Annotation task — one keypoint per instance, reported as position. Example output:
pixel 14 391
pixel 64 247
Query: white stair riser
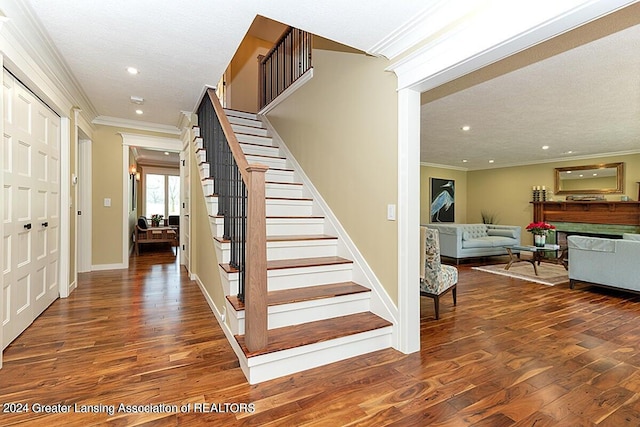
pixel 294 227
pixel 276 208
pixel 235 120
pixel 276 226
pixel 201 156
pixel 291 249
pixel 280 316
pixel 254 139
pixel 250 130
pixel 274 365
pixel 204 170
pixel 198 144
pixel 289 278
pixel 244 114
pixel 280 176
pixel 272 190
pixel 196 131
pixel 249 149
pixel 272 162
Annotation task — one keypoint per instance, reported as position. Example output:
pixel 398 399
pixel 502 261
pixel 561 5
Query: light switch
pixel 107 202
pixel 391 212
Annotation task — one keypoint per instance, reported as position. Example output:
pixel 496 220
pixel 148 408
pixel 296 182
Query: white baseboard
pixel 100 267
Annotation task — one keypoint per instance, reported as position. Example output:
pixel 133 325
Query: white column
pixel 408 220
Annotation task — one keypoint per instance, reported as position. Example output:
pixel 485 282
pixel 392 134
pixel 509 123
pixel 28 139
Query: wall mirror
pixel 590 179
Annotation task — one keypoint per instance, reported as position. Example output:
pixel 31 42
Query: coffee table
pixel 537 252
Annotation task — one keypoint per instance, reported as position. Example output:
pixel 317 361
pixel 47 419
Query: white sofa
pixel 610 263
pixel 460 241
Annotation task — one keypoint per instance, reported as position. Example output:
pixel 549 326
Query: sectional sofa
pixel 609 263
pixel 459 241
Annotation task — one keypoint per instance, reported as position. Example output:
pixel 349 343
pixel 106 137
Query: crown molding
pixel 435 165
pixel 135 124
pixel 32 57
pixel 423 26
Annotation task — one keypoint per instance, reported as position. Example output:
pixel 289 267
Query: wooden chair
pixel 436 279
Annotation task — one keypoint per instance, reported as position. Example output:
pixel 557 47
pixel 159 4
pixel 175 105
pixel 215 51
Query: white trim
pixel 84 243
pixel 65 206
pixel 436 165
pixel 125 204
pixel 430 21
pixel 301 81
pixel 485 38
pixel 381 303
pixel 135 124
pixel 100 267
pixel 73 209
pixel 146 141
pixel 408 220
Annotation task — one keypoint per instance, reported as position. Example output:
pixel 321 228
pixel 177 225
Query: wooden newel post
pixel 256 261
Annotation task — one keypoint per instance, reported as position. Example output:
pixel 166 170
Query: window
pixel 162 194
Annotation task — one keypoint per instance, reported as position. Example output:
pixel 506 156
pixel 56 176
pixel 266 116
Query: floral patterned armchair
pixel 436 279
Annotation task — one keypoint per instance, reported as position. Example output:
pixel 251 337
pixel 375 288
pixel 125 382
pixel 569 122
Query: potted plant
pixel 540 231
pixel 155 219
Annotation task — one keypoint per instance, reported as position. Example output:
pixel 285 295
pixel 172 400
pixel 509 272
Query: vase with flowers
pixel 155 219
pixel 540 230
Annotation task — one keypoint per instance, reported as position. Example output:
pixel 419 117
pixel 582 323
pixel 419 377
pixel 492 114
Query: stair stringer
pixel 381 303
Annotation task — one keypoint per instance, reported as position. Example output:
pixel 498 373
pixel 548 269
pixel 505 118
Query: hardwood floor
pixel 512 353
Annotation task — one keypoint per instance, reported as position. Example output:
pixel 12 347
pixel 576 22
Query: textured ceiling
pixel 585 100
pixel 182 46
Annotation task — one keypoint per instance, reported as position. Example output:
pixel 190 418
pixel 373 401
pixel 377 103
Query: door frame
pixel 142 141
pixel 83 204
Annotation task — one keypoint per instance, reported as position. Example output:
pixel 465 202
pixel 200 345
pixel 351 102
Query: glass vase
pixel 539 240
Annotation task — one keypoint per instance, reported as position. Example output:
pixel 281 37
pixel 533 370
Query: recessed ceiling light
pixel 545 147
pixel 132 70
pixel 465 128
pixel 139 112
pixel 465 161
pixel 568 171
pixel 595 174
pixel 490 161
pixel 137 100
pixel 570 152
pixel 166 153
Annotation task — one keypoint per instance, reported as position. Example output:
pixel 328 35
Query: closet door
pixel 31 169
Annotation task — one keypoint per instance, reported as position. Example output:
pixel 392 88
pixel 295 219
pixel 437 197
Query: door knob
pixel 45 224
pixel 27 226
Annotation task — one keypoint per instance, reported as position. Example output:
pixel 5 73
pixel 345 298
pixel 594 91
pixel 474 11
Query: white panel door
pixel 31 213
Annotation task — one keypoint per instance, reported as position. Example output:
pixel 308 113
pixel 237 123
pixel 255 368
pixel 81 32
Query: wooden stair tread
pixel 289 296
pixel 282 264
pixel 290 238
pixel 314 332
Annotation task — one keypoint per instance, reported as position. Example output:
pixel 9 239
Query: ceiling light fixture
pixel 491 161
pixel 139 112
pixel 132 70
pixel 465 128
pixel 166 153
pixel 137 100
pixel 465 161
pixel 545 147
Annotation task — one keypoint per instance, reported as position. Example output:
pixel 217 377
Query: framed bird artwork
pixel 442 200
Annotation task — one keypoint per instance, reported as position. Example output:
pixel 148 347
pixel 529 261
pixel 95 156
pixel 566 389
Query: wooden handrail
pixel 253 176
pixel 234 145
pixel 284 35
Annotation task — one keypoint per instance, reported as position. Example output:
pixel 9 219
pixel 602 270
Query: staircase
pixel 316 313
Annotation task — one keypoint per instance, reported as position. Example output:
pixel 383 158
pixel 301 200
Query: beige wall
pixel 243 74
pixel 107 176
pixel 342 128
pixel 460 178
pixel 507 192
pixel 204 262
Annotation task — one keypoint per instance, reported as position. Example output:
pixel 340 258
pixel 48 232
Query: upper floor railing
pixel 289 59
pixel 240 188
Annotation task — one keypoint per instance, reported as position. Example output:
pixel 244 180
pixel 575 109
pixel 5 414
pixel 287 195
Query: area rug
pixel 548 274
